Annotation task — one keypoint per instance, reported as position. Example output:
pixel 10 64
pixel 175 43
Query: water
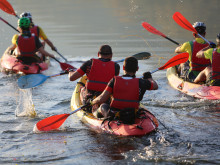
pixel 189 130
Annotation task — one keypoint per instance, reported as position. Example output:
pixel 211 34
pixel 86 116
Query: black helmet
pixel 218 38
pixel 200 27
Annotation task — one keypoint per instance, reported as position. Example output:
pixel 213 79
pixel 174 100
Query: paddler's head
pixel 200 28
pixel 218 39
pixel 26 15
pixel 24 23
pixel 105 51
pixel 130 65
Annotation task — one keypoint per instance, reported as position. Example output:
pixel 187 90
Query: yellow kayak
pixel 143 125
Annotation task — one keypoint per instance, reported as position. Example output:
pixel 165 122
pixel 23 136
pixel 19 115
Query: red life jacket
pixel 100 74
pixel 198 64
pixel 215 65
pixel 125 93
pixel 26 45
pixel 35 30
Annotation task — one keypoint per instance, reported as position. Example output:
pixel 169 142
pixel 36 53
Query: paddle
pixel 184 23
pixel 153 30
pixel 64 66
pixel 33 80
pixel 9 24
pixel 139 56
pixel 54 122
pixel 6 7
pixel 61 55
pixel 178 59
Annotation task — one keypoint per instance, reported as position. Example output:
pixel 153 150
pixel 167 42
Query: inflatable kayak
pixel 9 64
pixel 145 124
pixel 195 90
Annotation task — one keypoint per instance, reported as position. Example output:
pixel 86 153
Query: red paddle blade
pixel 65 66
pixel 183 22
pixel 52 122
pixel 151 29
pixel 176 60
pixel 6 7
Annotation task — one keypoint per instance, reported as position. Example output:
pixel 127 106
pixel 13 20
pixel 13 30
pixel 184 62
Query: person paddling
pixel 127 91
pixel 191 69
pixel 99 72
pixel 210 74
pixel 25 45
pixel 38 31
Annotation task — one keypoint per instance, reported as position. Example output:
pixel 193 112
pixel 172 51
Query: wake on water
pixel 25 105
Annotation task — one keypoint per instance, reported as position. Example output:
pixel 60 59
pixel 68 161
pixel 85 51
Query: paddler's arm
pixel 44 37
pixel 44 52
pixel 201 53
pixel 148 77
pixel 185 47
pixel 10 49
pixel 74 75
pixel 101 98
pixel 41 49
pixel 178 49
pixel 81 71
pixel 50 44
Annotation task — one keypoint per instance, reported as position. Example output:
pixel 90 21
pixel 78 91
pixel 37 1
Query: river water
pixel 189 131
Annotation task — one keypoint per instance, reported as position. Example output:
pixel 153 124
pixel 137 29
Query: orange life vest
pixel 125 93
pixel 26 46
pixel 215 65
pixel 198 64
pixel 35 30
pixel 100 74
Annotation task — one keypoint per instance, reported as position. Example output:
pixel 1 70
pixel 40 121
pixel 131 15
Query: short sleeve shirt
pixel 86 67
pixel 144 85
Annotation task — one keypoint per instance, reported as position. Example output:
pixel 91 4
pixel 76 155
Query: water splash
pixel 25 105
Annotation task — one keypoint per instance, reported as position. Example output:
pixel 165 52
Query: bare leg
pixel 203 75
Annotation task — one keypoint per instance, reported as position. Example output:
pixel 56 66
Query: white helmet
pixel 200 27
pixel 26 14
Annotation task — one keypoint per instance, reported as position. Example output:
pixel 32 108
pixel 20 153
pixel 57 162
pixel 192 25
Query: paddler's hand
pixel 89 102
pixel 52 56
pixel 147 75
pixel 54 48
pixel 69 70
pixel 212 45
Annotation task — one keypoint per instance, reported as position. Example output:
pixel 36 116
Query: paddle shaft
pixel 78 109
pixel 9 24
pixel 153 30
pixel 61 55
pixel 56 59
pixel 59 74
pixel 203 38
pixel 172 40
pixel 154 71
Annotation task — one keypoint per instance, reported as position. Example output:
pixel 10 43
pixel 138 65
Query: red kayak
pixel 144 124
pixel 9 64
pixel 192 89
